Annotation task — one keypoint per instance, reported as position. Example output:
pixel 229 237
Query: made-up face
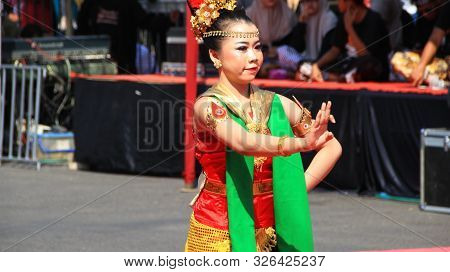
pixel 241 58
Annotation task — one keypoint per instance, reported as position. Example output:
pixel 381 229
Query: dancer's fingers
pixel 332 119
pixel 316 123
pixel 328 111
pixel 322 113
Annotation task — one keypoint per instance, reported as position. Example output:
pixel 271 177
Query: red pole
pixel 190 93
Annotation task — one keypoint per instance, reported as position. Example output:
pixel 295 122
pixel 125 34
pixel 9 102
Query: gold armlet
pixel 215 114
pixel 280 145
pixel 304 125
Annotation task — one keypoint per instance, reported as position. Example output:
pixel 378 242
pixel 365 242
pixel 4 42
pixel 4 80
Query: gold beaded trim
pixel 207 14
pixel 229 34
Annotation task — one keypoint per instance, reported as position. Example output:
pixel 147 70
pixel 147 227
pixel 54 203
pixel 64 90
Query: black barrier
pixel 118 125
pixel 131 127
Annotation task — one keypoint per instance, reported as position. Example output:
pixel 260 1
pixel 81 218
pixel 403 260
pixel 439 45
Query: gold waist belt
pixel 220 188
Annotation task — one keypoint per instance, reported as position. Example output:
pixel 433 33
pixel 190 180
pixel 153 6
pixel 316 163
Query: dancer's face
pixel 241 57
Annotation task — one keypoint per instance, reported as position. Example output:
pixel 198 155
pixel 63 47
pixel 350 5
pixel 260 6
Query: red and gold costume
pixel 237 198
pixel 210 214
pixel 209 222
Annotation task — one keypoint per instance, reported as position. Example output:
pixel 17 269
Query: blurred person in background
pixel 427 14
pixel 439 39
pixel 280 36
pixel 275 21
pixel 318 25
pixel 408 24
pixel 319 22
pixel 362 39
pixel 391 12
pixel 10 22
pixel 285 36
pixel 120 20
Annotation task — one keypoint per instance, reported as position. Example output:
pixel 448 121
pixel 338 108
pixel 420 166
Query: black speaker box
pixel 435 170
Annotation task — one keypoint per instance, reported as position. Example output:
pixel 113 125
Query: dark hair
pixel 226 18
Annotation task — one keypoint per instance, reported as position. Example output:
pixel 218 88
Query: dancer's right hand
pixel 319 134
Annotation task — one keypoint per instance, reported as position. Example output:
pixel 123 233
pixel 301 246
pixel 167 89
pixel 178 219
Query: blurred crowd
pixel 134 31
pixel 311 40
pixel 354 40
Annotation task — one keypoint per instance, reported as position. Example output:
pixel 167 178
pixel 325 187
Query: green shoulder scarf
pixel 291 209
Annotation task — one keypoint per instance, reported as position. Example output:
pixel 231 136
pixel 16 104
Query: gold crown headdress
pixel 207 13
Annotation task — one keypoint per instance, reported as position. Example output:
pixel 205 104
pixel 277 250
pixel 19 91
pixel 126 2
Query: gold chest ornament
pixel 262 129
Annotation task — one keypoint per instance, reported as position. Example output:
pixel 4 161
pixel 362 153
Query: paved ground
pixel 151 214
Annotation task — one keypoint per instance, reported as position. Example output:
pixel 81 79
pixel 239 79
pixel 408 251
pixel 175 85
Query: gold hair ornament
pixel 231 34
pixel 207 14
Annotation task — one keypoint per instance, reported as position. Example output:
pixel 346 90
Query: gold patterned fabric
pixel 260 103
pixel 259 188
pixel 203 238
pixel 404 63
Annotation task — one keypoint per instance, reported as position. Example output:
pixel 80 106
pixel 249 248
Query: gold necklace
pixel 254 123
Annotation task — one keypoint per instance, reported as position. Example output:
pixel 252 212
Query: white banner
pixel 217 262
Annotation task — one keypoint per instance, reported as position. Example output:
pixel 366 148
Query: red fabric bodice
pixel 211 208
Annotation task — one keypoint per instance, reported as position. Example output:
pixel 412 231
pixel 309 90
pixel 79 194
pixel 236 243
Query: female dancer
pixel 248 141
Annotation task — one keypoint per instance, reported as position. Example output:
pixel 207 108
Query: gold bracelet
pixel 304 125
pixel 280 145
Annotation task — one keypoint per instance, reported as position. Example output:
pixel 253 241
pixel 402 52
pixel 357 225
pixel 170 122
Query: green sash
pixel 291 209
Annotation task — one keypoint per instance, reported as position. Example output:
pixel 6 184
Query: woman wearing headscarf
pixel 276 23
pixel 295 38
pixel 362 39
pixel 391 12
pixel 319 22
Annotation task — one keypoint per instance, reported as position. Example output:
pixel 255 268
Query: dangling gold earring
pixel 217 64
